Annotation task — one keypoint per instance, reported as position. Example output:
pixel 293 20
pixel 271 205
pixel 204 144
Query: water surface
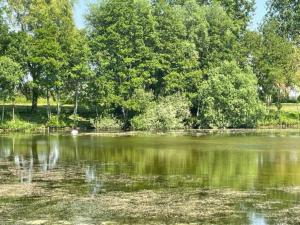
pixel 88 179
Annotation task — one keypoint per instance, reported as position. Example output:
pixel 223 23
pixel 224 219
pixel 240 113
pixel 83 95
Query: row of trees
pixel 40 39
pixel 140 60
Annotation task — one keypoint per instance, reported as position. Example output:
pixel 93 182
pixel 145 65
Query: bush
pixel 229 98
pixel 275 118
pixel 168 113
pixel 55 122
pixel 106 123
pixel 17 125
pixel 75 120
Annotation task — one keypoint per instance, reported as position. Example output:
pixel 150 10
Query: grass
pixel 28 121
pixel 288 107
pixel 288 117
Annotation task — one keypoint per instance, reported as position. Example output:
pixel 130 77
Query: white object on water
pixel 74 132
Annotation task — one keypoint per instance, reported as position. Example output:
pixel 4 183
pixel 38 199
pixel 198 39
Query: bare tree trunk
pixel 48 105
pixel 198 110
pixel 125 118
pixel 124 113
pixel 76 102
pixel 13 110
pixel 58 103
pixel 3 111
pixel 97 113
pixel 279 107
pixel 298 113
pixel 35 96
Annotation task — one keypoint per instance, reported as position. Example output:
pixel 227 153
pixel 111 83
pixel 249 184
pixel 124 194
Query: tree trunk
pixel 198 110
pixel 35 96
pixel 3 111
pixel 76 102
pixel 48 105
pixel 124 113
pixel 13 110
pixel 58 103
pixel 34 151
pixel 298 113
pixel 97 113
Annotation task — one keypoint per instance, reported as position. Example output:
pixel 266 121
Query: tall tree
pixel 240 11
pixel 4 31
pixel 287 15
pixel 123 37
pixel 175 51
pixel 47 25
pixel 80 71
pixel 10 78
pixel 273 60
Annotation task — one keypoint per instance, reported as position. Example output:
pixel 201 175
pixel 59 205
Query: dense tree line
pixel 161 64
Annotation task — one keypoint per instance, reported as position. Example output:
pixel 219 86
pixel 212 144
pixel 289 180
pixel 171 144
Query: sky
pixel 82 7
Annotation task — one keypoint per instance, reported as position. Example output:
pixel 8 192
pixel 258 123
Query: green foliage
pixel 136 55
pixel 122 36
pixel 17 125
pixel 241 11
pixel 80 73
pixel 46 27
pixel 75 119
pixel 177 56
pixel 10 78
pixel 55 122
pixel 222 41
pixel 4 31
pixel 275 118
pixel 168 113
pixel 106 124
pixel 274 61
pixel 228 98
pixel 287 15
pixel 139 101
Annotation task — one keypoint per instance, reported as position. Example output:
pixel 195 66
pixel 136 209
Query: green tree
pixel 4 33
pixel 229 98
pixel 47 25
pixel 10 78
pixel 177 56
pixel 122 39
pixel 240 11
pixel 287 15
pixel 80 73
pixel 222 42
pixel 274 62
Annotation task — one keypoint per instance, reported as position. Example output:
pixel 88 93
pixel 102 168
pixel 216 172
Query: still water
pixel 89 179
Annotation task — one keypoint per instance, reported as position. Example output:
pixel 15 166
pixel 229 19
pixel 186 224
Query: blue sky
pixel 82 6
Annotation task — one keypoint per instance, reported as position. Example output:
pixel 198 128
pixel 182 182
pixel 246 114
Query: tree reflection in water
pixel 43 154
pixel 96 185
pixel 105 168
pixel 24 168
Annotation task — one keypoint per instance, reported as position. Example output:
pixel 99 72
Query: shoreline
pixel 188 132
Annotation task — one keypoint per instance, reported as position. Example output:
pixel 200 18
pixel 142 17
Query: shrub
pixel 76 120
pixel 55 122
pixel 17 125
pixel 275 118
pixel 168 113
pixel 229 98
pixel 106 123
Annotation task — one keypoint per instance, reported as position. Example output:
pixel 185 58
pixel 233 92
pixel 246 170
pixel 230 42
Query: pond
pixel 168 179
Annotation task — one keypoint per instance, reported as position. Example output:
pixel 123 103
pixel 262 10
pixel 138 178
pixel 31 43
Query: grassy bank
pixel 25 120
pixel 287 117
